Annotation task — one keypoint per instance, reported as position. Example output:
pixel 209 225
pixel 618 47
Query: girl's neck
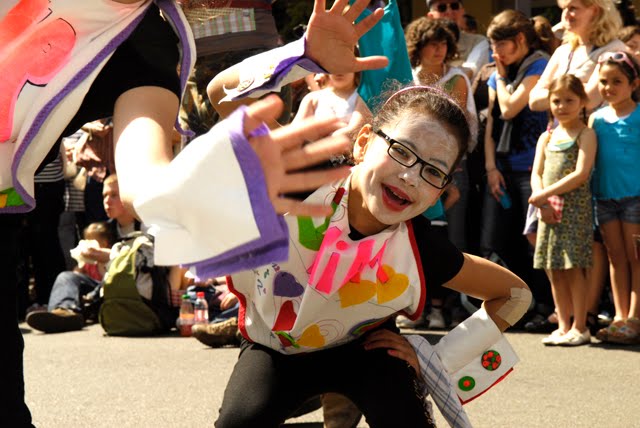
pixel 624 108
pixel 572 125
pixel 583 40
pixel 343 92
pixel 435 69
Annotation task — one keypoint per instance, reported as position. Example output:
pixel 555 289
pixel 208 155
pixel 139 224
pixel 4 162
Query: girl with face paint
pixel 327 315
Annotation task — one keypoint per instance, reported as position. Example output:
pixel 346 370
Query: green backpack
pixel 124 312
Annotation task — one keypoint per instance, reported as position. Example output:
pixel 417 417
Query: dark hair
pixel 628 32
pixel 101 230
pixel 631 73
pixel 509 23
pixel 471 23
pixel 572 84
pixel 424 30
pixel 428 101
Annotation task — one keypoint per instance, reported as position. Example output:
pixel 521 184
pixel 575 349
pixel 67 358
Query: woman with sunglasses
pixel 616 188
pixel 324 320
pixel 473 49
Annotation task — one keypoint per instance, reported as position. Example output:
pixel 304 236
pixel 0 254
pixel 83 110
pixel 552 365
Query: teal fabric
pixel 436 212
pixel 386 38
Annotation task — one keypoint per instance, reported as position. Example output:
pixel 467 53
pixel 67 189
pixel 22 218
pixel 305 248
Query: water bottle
pixel 505 199
pixel 201 309
pixel 186 319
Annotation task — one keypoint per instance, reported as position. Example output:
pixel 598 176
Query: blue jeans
pixel 501 233
pixel 68 288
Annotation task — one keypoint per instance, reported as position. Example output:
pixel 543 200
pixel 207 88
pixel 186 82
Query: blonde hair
pixel 605 26
pixel 111 179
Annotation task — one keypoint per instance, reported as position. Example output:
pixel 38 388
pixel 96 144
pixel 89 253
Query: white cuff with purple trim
pixel 211 205
pixel 271 70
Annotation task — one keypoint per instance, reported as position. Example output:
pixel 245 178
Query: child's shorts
pixel 626 210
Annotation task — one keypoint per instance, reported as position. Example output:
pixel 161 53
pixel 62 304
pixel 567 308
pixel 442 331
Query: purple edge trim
pixel 273 243
pixel 170 9
pixel 42 116
pixel 288 56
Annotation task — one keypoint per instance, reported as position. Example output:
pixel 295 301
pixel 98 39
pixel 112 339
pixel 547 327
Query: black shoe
pixel 58 320
pixel 540 324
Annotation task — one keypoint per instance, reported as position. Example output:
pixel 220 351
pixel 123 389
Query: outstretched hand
pixel 332 36
pixel 283 156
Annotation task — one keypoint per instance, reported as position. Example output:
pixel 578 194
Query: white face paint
pixel 385 192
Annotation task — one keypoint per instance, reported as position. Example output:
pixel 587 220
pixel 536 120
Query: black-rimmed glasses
pixel 407 158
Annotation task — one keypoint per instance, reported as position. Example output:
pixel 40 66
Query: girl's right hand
pixel 283 156
pixel 501 69
pixel 496 183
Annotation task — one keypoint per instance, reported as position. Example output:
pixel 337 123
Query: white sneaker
pixel 404 322
pixel 435 319
pixel 553 338
pixel 574 338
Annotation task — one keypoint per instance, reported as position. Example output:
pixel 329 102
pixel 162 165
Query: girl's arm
pixel 460 92
pixel 498 287
pixel 495 180
pixel 586 158
pixel 539 95
pixel 538 164
pixel 307 107
pixel 512 104
pixel 591 88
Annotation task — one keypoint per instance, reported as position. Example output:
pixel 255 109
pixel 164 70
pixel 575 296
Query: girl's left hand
pixel 396 345
pixel 537 199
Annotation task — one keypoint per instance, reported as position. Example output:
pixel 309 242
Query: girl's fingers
pixel 320 6
pixel 314 153
pixel 311 129
pixel 355 9
pixel 299 208
pixel 338 7
pixel 312 180
pixel 267 109
pixel 368 23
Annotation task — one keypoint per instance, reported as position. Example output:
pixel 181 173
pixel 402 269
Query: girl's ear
pixel 361 144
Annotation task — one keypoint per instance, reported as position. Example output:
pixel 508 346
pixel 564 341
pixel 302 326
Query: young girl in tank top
pixel 560 190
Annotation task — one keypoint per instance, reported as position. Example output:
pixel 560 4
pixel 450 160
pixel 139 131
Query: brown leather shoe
pixel 58 320
pixel 218 334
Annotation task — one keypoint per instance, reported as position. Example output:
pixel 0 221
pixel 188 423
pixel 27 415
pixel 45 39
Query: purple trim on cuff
pixel 169 8
pixel 43 114
pixel 287 57
pixel 273 244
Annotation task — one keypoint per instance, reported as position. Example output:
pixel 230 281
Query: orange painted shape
pixel 394 287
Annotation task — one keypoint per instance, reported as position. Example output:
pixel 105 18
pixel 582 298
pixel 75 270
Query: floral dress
pixel 567 244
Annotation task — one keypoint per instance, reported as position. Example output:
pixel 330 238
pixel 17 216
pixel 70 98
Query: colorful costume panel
pixel 332 289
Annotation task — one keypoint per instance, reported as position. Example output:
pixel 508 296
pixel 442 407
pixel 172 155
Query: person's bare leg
pixel 613 236
pixel 629 230
pixel 576 282
pixel 561 298
pixel 596 277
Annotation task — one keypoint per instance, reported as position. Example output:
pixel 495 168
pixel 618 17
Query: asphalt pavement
pixel 86 379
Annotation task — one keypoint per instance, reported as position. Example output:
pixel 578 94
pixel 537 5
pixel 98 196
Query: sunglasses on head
pixel 442 7
pixel 619 57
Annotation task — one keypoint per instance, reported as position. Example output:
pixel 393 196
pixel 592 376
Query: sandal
pixel 621 332
pixel 627 334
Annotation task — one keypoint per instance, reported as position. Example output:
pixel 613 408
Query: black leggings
pixel 266 387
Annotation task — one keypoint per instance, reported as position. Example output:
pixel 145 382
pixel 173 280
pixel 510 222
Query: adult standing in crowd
pixel 473 49
pixel 510 143
pixel 123 63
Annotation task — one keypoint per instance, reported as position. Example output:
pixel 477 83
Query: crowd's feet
pixel 218 334
pixel 58 320
pixel 622 332
pixel 572 337
pixel 436 319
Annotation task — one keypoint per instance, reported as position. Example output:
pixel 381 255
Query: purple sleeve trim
pixel 273 244
pixel 286 57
